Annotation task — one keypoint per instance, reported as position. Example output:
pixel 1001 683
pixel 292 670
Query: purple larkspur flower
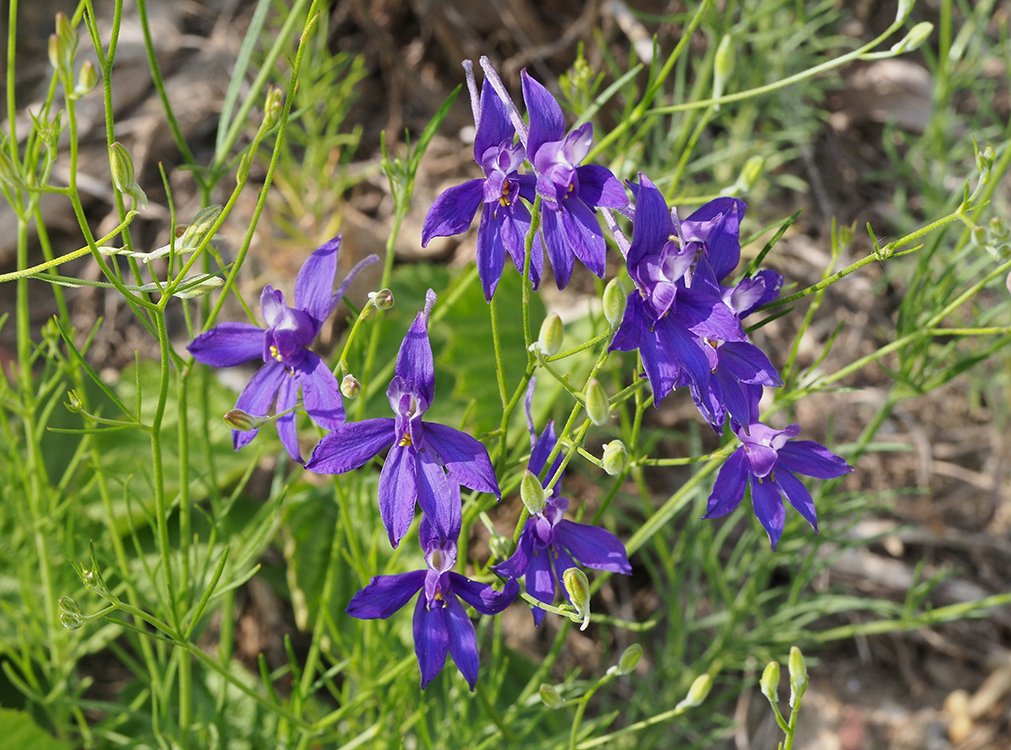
pixel 570 191
pixel 676 314
pixel 769 460
pixel 289 365
pixel 427 461
pixel 441 624
pixel 550 544
pixel 739 371
pixel 751 292
pixel 505 220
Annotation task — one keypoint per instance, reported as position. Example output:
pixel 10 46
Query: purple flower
pixel 677 313
pixel 739 371
pixel 427 461
pixel 505 220
pixel 770 461
pixel 289 365
pixel 550 544
pixel 441 624
pixel 752 292
pixel 570 193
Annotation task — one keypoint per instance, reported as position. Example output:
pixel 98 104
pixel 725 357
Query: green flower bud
pixel 350 386
pixel 549 340
pixel 577 586
pixel 382 300
pixel 615 458
pixel 751 172
pixel 770 682
pixel 67 604
pixel 75 404
pixel 629 659
pixel 54 51
pixel 985 159
pixel 499 546
pixel 87 79
pixel 272 107
pixel 697 693
pixel 597 408
pixel 798 674
pixel 532 493
pixel 916 36
pixel 121 165
pixel 614 302
pixel 71 621
pixel 550 696
pixel 63 47
pixel 243 421
pixel 723 66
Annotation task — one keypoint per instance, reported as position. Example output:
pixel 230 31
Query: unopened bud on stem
pixel 242 420
pixel 798 674
pixel 577 586
pixel 532 493
pixel 597 408
pixel 549 340
pixel 697 693
pixel 382 300
pixel 350 386
pixel 614 301
pixel 770 682
pixel 615 458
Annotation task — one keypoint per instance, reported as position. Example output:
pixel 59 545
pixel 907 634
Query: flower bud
pixel 382 300
pixel 751 172
pixel 798 674
pixel 87 79
pixel 597 408
pixel 272 106
pixel 577 586
pixel 697 693
pixel 723 66
pixel 549 340
pixel 916 36
pixel 242 420
pixel 499 546
pixel 70 621
pixel 985 158
pixel 75 404
pixel 770 682
pixel 63 47
pixel 350 386
pixel 615 458
pixel 550 696
pixel 532 493
pixel 629 659
pixel 123 177
pixel 614 302
pixel 67 604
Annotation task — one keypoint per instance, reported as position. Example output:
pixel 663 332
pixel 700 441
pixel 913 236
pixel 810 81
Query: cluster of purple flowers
pixel 684 319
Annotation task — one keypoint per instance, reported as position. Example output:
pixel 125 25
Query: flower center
pixel 405 440
pixel 275 353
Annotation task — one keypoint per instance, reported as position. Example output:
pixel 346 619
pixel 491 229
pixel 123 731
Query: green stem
pixel 35 270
